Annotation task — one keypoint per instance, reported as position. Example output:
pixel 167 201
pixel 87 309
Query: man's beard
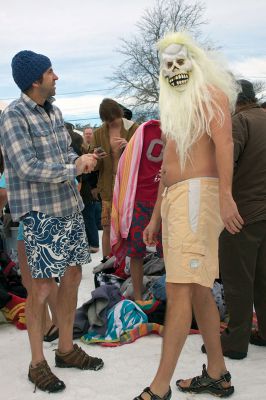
pixel 185 115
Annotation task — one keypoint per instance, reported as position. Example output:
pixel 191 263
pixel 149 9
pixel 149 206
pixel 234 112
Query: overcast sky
pixel 80 37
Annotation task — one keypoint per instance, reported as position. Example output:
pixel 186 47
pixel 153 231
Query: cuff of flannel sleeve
pixel 71 172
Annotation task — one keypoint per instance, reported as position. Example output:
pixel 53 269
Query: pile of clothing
pixel 12 293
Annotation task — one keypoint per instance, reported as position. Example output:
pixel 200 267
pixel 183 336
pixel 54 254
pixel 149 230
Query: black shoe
pixel 205 384
pixel 105 258
pixel 51 335
pixel 234 355
pixel 154 396
pixel 256 339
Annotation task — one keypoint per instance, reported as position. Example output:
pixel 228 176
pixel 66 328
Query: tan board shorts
pixel 191 225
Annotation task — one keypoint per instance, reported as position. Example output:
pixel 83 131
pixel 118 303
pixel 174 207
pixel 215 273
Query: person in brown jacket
pixel 109 142
pixel 242 256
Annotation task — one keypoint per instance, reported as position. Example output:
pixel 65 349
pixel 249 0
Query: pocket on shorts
pixel 193 255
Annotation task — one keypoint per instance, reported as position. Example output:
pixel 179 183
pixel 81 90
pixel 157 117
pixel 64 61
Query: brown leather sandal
pixel 205 384
pixel 77 358
pixel 44 379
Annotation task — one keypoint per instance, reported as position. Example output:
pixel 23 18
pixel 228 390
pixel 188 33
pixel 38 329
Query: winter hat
pixel 28 67
pixel 247 93
pixel 126 112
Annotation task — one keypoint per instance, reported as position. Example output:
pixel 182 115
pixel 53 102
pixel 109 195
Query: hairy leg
pixel 27 283
pixel 23 266
pixel 66 306
pixel 208 319
pixel 35 312
pixel 176 329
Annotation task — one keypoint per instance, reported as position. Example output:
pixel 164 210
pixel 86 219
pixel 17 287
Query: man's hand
pixel 86 163
pixel 100 152
pixel 121 142
pixel 150 233
pixel 232 220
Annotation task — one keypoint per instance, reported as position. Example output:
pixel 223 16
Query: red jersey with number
pixel 150 163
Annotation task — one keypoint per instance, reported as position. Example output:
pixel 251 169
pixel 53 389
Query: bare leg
pixel 136 271
pixel 176 329
pixel 35 311
pixel 208 320
pixel 106 241
pixel 27 283
pixel 66 306
pixel 23 266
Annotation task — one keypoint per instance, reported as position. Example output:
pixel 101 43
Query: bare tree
pixel 260 89
pixel 137 77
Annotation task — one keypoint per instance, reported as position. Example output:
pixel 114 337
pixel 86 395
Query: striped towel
pixel 122 317
pixel 124 193
pixel 136 333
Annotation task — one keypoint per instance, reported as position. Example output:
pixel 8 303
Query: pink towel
pixel 124 193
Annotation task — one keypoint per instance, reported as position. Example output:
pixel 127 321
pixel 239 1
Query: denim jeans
pixel 89 215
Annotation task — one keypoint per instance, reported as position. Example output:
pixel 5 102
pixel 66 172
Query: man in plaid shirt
pixel 40 170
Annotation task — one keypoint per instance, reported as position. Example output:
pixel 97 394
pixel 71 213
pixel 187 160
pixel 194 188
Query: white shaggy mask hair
pixel 186 115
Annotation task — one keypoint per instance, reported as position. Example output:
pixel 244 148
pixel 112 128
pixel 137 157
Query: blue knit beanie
pixel 28 67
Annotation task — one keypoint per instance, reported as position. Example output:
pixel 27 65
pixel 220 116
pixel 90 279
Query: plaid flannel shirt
pixel 39 162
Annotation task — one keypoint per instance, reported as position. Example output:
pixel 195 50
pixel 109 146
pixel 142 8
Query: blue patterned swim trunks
pixel 54 243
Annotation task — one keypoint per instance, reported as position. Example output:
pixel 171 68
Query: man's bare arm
pixel 152 229
pixel 224 150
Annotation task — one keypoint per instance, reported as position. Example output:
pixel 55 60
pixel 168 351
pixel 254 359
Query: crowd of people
pixel 192 186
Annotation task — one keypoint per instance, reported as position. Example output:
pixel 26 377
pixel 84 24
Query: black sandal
pixel 51 335
pixel 153 396
pixel 205 384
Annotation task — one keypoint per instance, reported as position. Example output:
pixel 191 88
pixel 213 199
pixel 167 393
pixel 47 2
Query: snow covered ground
pixel 128 369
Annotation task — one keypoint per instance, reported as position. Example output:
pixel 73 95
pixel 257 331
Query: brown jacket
pixel 249 183
pixel 105 165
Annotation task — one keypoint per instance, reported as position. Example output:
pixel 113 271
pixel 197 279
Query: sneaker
pixel 256 339
pixel 44 379
pixel 77 358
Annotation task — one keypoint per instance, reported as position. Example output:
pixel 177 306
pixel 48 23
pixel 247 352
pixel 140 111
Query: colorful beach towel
pixel 136 333
pixel 122 317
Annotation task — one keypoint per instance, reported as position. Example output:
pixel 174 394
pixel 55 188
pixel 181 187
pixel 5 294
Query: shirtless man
pixel 108 142
pixel 194 202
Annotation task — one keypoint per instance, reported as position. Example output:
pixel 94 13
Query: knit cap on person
pixel 247 93
pixel 28 67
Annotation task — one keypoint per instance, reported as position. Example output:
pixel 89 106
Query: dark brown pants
pixel 242 259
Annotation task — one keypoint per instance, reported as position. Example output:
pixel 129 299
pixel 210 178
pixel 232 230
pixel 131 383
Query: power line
pixel 69 93
pixel 82 119
pixel 109 89
pixel 85 91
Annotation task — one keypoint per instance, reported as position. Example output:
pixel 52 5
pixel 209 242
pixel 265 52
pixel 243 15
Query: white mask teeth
pixel 178 80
